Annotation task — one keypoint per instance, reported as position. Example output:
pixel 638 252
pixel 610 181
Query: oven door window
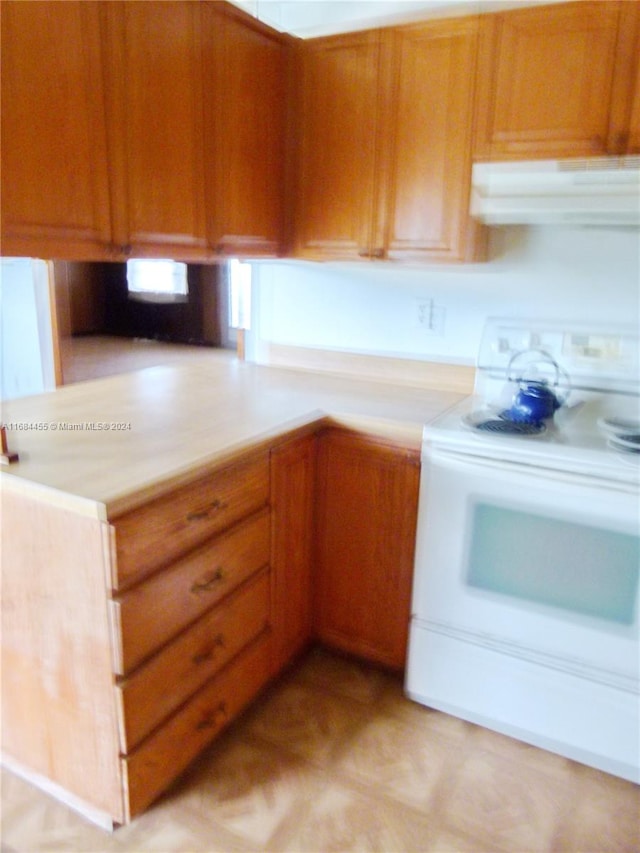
pixel 549 561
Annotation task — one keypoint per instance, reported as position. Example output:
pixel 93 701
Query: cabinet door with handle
pixel 338 116
pixel 55 174
pixel 545 78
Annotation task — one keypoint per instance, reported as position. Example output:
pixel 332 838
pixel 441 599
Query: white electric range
pixel 525 610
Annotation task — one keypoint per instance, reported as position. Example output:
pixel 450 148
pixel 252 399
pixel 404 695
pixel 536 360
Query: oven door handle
pixel 468 462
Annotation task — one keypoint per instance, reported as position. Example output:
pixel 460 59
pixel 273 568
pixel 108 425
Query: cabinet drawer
pixel 151 614
pixel 164 755
pixel 155 534
pixel 170 677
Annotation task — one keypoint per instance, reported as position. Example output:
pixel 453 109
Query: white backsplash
pixel 589 275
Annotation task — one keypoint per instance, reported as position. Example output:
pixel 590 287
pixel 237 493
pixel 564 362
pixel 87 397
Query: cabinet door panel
pixel 292 514
pixel 338 114
pixel 624 126
pixel 430 122
pixel 367 512
pixel 156 111
pixel 547 76
pixel 55 196
pixel 245 104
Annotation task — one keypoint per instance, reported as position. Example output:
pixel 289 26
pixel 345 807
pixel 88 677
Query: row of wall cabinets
pixel 140 129
pixel 181 129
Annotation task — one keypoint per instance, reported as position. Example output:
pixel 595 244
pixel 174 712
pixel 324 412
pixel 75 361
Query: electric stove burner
pixel 492 421
pixel 506 427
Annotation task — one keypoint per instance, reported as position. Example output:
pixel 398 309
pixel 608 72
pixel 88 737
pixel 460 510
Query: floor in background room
pixel 95 356
pixel 334 758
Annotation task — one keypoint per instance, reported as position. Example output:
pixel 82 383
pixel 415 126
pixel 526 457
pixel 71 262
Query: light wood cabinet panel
pixel 430 125
pixel 156 533
pixel 58 714
pixel 293 468
pixel 55 184
pixel 545 78
pixel 245 90
pixel 155 115
pixel 338 106
pixel 366 519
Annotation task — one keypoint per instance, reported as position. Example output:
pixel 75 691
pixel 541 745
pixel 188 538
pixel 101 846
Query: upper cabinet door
pixel 430 125
pixel 155 109
pixel 55 196
pixel 624 125
pixel 338 146
pixel 245 68
pixel 546 79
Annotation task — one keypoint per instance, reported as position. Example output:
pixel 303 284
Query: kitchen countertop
pixel 167 423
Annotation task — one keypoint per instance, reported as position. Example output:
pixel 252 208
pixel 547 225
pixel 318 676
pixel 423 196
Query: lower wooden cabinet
pixel 293 468
pixel 313 538
pixel 366 517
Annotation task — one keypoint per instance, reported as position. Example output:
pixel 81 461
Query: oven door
pixel 525 605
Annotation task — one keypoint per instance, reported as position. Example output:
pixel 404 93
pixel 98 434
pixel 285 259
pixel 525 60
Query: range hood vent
pixel 591 191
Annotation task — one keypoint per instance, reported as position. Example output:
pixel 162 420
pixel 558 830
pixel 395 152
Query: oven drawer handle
pixel 209 582
pixel 465 462
pixel 202 514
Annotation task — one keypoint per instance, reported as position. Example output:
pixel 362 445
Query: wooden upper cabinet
pixel 430 125
pixel 633 143
pixel 337 109
pixel 385 151
pixel 55 195
pixel 245 90
pixel 624 125
pixel 155 114
pixel 546 77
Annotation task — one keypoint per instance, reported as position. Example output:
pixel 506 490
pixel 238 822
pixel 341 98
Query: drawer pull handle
pixel 209 582
pixel 209 653
pixel 201 514
pixel 211 718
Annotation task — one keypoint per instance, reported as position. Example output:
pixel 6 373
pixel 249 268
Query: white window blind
pixel 157 280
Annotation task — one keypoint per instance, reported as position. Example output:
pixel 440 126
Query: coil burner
pixel 496 422
pixel 506 427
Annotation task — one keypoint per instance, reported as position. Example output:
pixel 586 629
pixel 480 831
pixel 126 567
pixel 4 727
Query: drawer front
pixel 161 531
pixel 170 677
pixel 164 755
pixel 153 613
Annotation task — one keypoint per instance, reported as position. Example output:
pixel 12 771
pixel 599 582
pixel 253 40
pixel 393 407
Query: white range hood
pixel 591 191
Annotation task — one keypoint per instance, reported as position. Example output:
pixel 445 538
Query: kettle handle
pixel 560 372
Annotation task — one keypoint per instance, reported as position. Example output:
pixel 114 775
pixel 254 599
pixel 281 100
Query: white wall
pixel 309 18
pixel 26 349
pixel 581 274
